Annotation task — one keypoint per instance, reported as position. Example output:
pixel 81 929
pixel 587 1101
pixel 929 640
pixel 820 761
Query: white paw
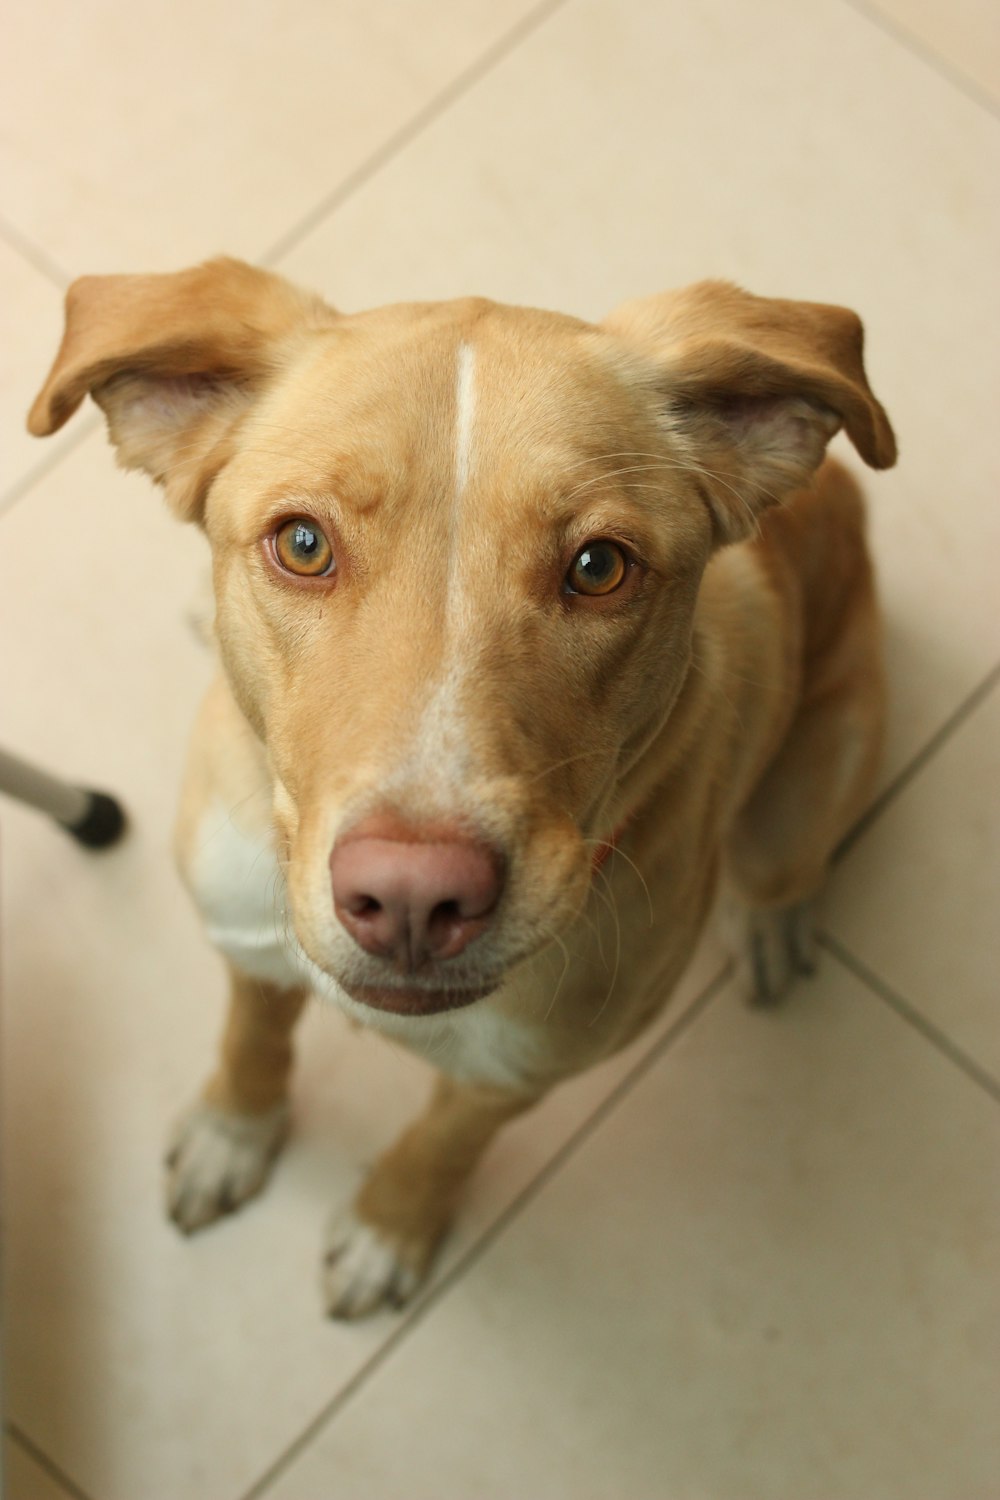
pixel 778 945
pixel 217 1160
pixel 364 1267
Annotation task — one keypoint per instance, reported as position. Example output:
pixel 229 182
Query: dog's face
pixel 499 617
pixel 457 550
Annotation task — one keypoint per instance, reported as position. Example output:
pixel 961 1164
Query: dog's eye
pixel 599 568
pixel 301 547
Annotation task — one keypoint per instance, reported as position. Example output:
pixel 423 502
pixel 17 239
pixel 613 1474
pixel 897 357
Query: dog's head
pixel 457 549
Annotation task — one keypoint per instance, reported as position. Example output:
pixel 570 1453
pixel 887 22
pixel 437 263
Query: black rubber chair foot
pixel 102 824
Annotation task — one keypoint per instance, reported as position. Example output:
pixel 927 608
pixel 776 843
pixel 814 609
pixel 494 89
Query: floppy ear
pixel 753 388
pixel 174 361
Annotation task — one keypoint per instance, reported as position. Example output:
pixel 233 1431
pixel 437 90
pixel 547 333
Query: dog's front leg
pixel 380 1249
pixel 222 1148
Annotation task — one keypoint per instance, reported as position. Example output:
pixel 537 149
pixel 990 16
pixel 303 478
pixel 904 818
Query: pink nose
pixel 409 898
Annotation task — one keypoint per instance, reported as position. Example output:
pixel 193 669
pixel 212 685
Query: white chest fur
pixel 240 891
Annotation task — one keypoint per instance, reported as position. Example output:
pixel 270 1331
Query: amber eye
pixel 599 568
pixel 301 547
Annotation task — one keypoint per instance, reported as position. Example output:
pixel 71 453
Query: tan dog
pixel 496 689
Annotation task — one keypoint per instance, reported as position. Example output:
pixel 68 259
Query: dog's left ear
pixel 752 389
pixel 175 361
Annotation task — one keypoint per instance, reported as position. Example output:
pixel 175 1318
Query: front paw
pixel 217 1160
pixel 365 1267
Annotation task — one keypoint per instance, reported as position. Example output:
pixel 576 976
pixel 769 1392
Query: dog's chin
pixel 401 1000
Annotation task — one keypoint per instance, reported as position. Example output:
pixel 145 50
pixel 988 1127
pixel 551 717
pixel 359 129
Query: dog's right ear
pixel 174 361
pixel 754 388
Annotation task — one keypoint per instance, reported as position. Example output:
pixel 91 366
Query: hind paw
pixel 778 945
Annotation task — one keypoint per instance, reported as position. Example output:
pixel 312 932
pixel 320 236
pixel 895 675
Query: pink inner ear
pixel 170 425
pixel 753 451
pixel 170 399
pixel 777 420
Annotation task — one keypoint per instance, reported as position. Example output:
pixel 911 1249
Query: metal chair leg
pixel 92 818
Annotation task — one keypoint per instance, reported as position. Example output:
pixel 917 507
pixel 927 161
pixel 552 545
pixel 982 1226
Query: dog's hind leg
pixel 222 1148
pixel 783 840
pixel 380 1248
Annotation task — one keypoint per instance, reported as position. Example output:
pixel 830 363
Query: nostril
pixel 452 925
pixel 363 906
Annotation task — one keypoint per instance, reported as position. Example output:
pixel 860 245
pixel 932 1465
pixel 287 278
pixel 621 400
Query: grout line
pixel 927 54
pixel 475 1252
pixel 914 766
pixel 33 253
pixel 44 1462
pixel 20 487
pixel 910 1014
pixel 409 131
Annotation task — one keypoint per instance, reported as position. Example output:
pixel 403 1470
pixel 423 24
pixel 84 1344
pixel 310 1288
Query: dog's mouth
pixel 408 1000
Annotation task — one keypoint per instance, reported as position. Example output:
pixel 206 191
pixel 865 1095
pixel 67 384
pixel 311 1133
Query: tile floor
pixel 757 1255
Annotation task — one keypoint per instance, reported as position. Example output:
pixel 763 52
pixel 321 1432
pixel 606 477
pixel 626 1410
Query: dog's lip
pixel 403 1000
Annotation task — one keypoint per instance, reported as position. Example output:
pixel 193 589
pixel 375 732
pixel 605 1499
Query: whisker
pixel 227 822
pixel 555 994
pixel 618 853
pixel 618 949
pixel 558 765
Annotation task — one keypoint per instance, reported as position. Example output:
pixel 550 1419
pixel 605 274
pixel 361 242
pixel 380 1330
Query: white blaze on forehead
pixel 465 412
pixel 438 763
pixel 433 771
pixel 465 416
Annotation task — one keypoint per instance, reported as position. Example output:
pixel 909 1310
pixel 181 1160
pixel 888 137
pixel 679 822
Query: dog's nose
pixel 412 899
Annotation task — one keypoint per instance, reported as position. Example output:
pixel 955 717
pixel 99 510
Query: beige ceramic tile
pixel 141 136
pixel 964 34
pixel 769 1274
pixel 23 1479
pixel 30 330
pixel 916 900
pixel 799 150
pixel 145 1364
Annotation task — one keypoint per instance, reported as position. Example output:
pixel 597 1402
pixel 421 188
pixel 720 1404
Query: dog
pixel 530 631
